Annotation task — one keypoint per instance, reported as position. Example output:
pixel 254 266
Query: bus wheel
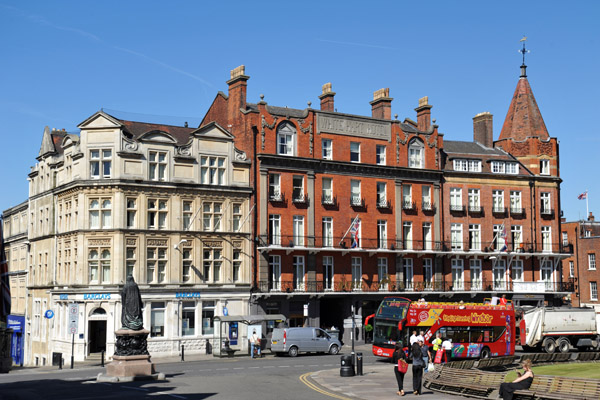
pixel 485 353
pixel 563 345
pixel 549 345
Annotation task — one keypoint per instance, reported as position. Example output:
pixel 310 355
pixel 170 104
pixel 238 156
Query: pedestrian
pixel 421 336
pixel 437 342
pixel 426 355
pixel 254 344
pixel 417 367
pixel 523 382
pixel 400 366
pixel 447 347
pixel 413 339
pixel 503 300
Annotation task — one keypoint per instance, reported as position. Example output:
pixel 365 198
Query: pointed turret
pixel 47 146
pixel 524 118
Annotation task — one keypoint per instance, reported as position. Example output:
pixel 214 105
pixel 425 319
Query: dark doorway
pixel 97 336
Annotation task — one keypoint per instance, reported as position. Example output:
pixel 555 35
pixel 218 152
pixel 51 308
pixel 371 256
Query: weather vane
pixel 523 50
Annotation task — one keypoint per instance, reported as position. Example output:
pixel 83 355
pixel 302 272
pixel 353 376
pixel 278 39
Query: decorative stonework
pixel 99 242
pixel 519 148
pixel 157 242
pixel 185 150
pixel 237 244
pixel 262 129
pixel 213 243
pixel 240 155
pixel 130 241
pixel 129 145
pixel 308 130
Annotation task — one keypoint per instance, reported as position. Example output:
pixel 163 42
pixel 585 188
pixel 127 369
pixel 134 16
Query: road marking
pixel 270 366
pixel 239 368
pixel 253 367
pixel 222 369
pixel 284 366
pixel 304 379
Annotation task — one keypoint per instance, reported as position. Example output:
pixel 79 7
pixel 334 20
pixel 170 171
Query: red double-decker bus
pixel 477 330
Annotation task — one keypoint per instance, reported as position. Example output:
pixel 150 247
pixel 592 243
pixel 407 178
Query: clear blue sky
pixel 62 61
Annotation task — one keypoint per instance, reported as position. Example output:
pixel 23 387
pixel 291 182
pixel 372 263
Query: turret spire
pixel 523 51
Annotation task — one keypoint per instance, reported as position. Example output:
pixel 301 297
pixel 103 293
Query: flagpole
pixel 587 210
pixel 350 227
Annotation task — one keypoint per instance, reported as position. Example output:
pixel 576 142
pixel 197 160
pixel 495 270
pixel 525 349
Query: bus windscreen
pixel 393 308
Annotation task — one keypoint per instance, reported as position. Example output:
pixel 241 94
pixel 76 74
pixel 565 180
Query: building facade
pixel 584 235
pixel 350 208
pixel 165 204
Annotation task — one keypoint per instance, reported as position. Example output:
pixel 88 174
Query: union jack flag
pixel 4 282
pixel 354 232
pixel 582 196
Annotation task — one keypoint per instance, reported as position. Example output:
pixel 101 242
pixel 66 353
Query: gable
pixel 157 136
pixel 213 131
pixel 99 120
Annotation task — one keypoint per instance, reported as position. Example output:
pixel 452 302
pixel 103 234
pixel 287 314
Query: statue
pixel 131 301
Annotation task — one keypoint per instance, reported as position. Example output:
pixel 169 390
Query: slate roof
pixel 138 129
pixel 474 148
pixel 524 118
pixel 283 111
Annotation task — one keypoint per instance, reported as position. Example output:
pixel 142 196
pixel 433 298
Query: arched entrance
pixel 97 330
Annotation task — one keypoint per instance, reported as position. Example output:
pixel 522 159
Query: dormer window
pixel 501 167
pixel 467 165
pixel 416 154
pixel 100 163
pixel 286 137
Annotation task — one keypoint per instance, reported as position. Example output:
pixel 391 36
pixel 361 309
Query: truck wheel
pixel 563 345
pixel 334 349
pixel 485 353
pixel 293 351
pixel 549 345
pixel 596 347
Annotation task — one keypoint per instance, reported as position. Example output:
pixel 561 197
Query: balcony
pixel 384 204
pixel 357 202
pixel 517 212
pixel 457 208
pixel 300 199
pixel 277 197
pixel 546 212
pixel 409 205
pixel 427 206
pixel 499 211
pixel 475 210
pixel 328 200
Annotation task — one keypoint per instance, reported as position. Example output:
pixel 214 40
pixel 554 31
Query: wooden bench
pixel 545 387
pixel 465 382
pixel 495 362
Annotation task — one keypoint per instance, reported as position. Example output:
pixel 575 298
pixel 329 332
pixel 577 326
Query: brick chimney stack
pixel 381 106
pixel 237 89
pixel 327 98
pixel 423 114
pixel 483 129
pixel 591 217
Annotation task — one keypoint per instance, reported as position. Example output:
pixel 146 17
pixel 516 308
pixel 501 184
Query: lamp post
pixel 352 334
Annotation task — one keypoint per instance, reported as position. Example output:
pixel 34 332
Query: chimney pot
pixel 483 129
pixel 237 90
pixel 326 97
pixel 591 217
pixel 381 106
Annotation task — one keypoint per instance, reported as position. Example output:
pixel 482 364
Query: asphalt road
pixel 238 378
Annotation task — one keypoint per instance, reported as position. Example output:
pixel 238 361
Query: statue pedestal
pixel 131 360
pixel 5 358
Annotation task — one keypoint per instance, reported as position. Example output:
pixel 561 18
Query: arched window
pixel 416 154
pixel 286 139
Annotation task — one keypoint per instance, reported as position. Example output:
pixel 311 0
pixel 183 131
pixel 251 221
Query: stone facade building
pixel 164 203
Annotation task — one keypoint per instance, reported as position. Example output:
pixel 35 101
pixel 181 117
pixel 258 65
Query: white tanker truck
pixel 551 329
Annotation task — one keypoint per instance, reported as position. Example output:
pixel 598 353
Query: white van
pixel 295 340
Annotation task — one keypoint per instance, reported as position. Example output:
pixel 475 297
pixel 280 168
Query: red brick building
pixel 581 266
pixel 349 209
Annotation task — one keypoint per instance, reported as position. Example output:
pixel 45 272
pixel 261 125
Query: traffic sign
pixel 73 318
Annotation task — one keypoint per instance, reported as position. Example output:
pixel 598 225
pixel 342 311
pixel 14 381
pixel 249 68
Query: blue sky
pixel 64 60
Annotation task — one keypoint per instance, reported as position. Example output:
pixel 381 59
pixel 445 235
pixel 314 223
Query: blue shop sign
pixel 64 297
pixel 16 323
pixel 187 295
pixel 96 296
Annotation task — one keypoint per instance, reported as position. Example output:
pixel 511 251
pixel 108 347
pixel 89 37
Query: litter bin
pixel 347 366
pixel 56 359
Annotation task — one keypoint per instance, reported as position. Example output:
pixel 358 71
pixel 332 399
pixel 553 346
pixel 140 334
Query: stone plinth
pixel 131 343
pixel 135 366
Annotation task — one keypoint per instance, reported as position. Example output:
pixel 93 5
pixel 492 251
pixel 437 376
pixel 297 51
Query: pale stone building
pixel 168 204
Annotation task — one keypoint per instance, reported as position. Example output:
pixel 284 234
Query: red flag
pixel 4 281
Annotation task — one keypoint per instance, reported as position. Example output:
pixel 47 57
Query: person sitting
pixel 522 382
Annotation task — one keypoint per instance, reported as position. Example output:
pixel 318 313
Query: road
pixel 237 378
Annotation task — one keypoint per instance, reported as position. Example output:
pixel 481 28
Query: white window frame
pixel 498 201
pixel 458 274
pixel 328 273
pixel 156 264
pixel 327 231
pixel 274 187
pixel 512 168
pixel 544 167
pixel 592 261
pixel 275 267
pixel 516 270
pixel 382 234
pixel 212 216
pixel 212 264
pixel 407 197
pixel 355 152
pixel 408 272
pixel 545 204
pixel 213 170
pixel 546 239
pixel 594 291
pixel 498 167
pixel 355 193
pixel 159 212
pixel 327 149
pixel 516 236
pixel 298 189
pixel 456 199
pixel 327 190
pixel 382 194
pixel 382 272
pixel 298 226
pixel 356 268
pixel 426 197
pixel 456 237
pixel 547 274
pixel 427 236
pixel 474 200
pixel 380 154
pixel 416 154
pixel 158 166
pixel 571 269
pixel 286 139
pixel 299 272
pixel 428 273
pixel 499 274
pixel 475 272
pixel 102 161
pixel 275 229
pixel 516 204
pixel 474 237
pixel 131 214
pixel 407 235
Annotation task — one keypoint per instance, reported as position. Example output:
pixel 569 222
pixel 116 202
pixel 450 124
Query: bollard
pixel 359 363
pixel 102 359
pixel 347 367
pixel 182 353
pixel 60 362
